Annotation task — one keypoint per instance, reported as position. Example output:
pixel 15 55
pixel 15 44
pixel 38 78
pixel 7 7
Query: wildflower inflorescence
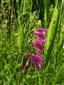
pixel 39 45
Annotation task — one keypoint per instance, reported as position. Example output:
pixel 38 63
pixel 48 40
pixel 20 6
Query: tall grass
pixel 52 30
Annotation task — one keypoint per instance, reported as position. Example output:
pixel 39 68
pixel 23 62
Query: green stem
pixel 45 13
pixel 39 78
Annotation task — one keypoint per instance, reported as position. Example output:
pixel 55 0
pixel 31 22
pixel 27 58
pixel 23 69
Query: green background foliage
pixel 17 19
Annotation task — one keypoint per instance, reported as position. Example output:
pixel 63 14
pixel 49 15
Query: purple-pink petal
pixel 39 46
pixel 40 49
pixel 36 42
pixel 36 58
pixel 37 65
pixel 40 32
pixel 25 67
pixel 41 35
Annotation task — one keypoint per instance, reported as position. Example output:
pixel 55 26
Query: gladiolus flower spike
pixel 39 45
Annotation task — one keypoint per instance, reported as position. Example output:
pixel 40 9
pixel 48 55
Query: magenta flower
pixel 35 59
pixel 25 67
pixel 40 33
pixel 41 30
pixel 40 49
pixel 37 65
pixel 39 45
pixel 38 42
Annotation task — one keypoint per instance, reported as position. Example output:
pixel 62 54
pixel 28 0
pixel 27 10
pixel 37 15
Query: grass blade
pixel 52 32
pixel 60 70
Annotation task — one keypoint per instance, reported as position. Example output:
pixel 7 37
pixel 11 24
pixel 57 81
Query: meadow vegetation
pixel 18 18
